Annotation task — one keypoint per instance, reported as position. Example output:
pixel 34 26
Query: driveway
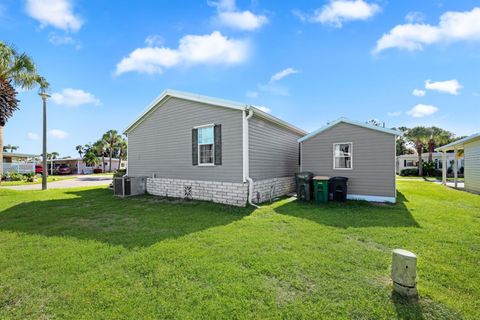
pixel 78 181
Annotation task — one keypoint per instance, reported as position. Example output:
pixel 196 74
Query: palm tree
pixel 90 158
pixel 17 70
pixel 122 150
pixel 111 138
pixel 80 150
pixel 438 137
pixel 100 148
pixel 419 136
pixel 53 155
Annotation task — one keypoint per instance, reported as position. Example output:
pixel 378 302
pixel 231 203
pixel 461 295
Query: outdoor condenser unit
pixel 129 186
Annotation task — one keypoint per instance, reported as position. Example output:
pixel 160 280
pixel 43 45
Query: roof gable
pixel 352 122
pixel 460 142
pixel 161 99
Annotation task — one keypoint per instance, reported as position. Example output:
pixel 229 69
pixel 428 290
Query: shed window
pixel 342 155
pixel 205 145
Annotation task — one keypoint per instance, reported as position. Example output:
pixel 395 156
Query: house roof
pixel 459 143
pixel 352 122
pixel 207 100
pixel 19 155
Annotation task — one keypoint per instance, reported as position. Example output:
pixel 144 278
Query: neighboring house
pixel 191 146
pixel 78 166
pixel 471 152
pixel 363 153
pixel 410 161
pixel 18 162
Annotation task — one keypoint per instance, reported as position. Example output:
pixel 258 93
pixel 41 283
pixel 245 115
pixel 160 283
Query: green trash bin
pixel 320 189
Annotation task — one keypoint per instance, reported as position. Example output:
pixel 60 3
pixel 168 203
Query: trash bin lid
pixel 305 175
pixel 338 179
pixel 321 178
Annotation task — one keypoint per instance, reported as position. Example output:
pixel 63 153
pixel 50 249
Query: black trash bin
pixel 337 188
pixel 304 186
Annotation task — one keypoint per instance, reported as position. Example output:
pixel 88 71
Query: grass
pixel 80 253
pixel 427 178
pixel 39 181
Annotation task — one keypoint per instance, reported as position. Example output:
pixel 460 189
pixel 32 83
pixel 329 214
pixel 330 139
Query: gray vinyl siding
pixel 373 154
pixel 162 143
pixel 472 166
pixel 273 151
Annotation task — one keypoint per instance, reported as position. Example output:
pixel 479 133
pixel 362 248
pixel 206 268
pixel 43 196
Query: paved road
pixel 78 181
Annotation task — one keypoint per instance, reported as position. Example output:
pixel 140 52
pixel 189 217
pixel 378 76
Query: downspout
pixel 247 114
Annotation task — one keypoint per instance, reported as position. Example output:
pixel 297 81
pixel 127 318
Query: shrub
pixel 461 170
pixel 13 176
pixel 409 172
pixel 30 177
pixel 97 170
pixel 429 169
pixel 120 173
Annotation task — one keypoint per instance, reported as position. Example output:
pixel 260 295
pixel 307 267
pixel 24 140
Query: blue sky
pixel 308 62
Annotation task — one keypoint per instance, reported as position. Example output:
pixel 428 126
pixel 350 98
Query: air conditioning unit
pixel 129 186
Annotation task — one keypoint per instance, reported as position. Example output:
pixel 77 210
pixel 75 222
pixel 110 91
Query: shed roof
pixel 19 155
pixel 162 98
pixel 352 122
pixel 459 143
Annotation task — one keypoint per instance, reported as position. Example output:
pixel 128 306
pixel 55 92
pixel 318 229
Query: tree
pixel 122 150
pixel 438 137
pixel 419 136
pixel 376 123
pixel 402 145
pixel 80 149
pixel 90 158
pixel 100 148
pixel 17 70
pixel 111 138
pixel 53 155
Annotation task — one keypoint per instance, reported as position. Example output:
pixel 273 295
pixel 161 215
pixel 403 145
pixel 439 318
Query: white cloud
pixel 282 74
pixel 395 113
pixel 422 110
pixel 453 26
pixel 418 92
pixel 154 40
pixel 252 94
pixel 74 97
pixel 32 136
pixel 209 49
pixel 58 40
pixel 58 134
pixel 57 13
pixel 229 16
pixel 449 86
pixel 264 109
pixel 414 16
pixel 339 11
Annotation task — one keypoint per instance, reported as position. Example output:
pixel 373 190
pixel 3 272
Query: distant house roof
pixel 19 155
pixel 459 143
pixel 352 122
pixel 207 100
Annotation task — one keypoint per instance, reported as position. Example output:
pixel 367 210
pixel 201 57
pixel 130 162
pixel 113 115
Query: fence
pixel 21 167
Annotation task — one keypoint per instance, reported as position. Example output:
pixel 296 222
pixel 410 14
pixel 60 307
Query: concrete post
pixel 455 167
pixel 444 167
pixel 404 272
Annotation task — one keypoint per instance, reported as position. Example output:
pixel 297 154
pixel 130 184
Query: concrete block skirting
pixel 231 193
pixel 265 190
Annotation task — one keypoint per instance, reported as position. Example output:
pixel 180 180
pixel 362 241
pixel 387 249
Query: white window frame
pixel 351 155
pixel 212 125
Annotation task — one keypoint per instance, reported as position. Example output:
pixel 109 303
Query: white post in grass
pixel 404 272
pixel 444 168
pixel 455 167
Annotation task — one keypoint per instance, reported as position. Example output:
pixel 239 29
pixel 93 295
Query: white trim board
pixel 352 122
pixel 371 198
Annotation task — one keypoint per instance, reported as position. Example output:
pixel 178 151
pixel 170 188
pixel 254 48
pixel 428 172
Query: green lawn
pixel 427 178
pixel 80 253
pixel 39 181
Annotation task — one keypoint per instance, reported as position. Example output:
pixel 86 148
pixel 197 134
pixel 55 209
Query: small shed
pixel 363 153
pixel 470 146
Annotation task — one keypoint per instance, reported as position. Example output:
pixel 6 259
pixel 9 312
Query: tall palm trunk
pixel 120 159
pixel 431 149
pixel 111 155
pixel 103 162
pixel 419 146
pixel 1 153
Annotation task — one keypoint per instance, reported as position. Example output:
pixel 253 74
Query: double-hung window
pixel 206 145
pixel 342 156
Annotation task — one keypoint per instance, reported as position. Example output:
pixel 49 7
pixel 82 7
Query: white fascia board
pixel 352 122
